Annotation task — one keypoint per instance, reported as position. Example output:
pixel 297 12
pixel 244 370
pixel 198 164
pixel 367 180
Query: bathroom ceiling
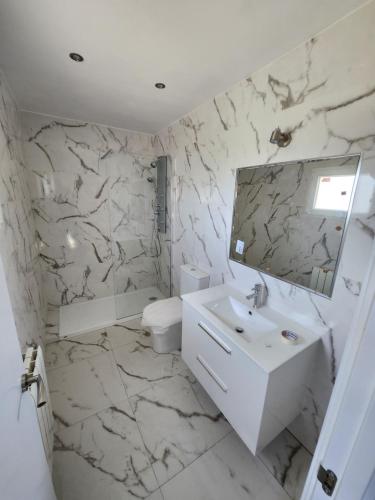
pixel 198 48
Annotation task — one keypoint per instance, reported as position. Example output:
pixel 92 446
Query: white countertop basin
pixel 240 317
pixel 226 309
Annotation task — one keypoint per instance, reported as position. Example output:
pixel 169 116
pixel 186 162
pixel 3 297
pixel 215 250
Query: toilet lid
pixel 163 313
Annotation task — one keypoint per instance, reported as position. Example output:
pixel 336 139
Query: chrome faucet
pixel 260 295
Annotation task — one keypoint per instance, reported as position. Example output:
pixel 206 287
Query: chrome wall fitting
pixel 282 139
pixel 28 378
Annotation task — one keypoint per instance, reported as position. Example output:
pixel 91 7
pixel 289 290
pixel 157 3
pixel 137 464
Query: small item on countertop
pixel 289 337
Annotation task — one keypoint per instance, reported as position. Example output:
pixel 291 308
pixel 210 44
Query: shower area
pixel 136 233
pixel 138 211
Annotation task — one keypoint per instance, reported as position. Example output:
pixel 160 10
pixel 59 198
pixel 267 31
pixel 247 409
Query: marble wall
pixel 324 93
pixel 18 244
pixel 93 208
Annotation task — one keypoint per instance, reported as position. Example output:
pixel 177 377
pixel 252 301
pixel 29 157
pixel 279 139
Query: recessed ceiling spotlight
pixel 76 57
pixel 160 85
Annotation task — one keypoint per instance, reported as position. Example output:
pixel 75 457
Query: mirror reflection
pixel 289 219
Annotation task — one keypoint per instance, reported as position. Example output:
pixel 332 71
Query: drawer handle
pixel 213 375
pixel 214 337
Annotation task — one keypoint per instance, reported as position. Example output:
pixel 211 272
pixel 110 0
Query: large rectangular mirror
pixel 289 219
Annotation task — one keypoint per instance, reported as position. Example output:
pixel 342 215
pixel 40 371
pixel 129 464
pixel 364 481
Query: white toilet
pixel 163 319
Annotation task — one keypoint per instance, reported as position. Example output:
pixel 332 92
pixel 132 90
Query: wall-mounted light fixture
pixel 282 139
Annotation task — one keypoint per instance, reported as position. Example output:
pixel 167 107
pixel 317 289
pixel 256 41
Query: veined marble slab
pixel 226 471
pixel 81 389
pixel 176 426
pixel 126 332
pixel 140 366
pixel 18 241
pixel 288 461
pixel 103 457
pixel 78 348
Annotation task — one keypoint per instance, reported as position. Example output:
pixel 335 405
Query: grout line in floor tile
pixel 271 469
pixel 197 458
pixel 125 396
pixel 140 433
pixel 67 338
pixel 230 430
pixel 113 348
pixel 57 418
pixel 80 360
pixel 149 381
pixel 146 450
pixel 209 449
pixel 302 445
pixel 139 429
pixel 155 382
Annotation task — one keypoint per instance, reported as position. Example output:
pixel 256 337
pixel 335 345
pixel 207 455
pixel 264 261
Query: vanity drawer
pixel 213 335
pixel 200 337
pixel 208 355
pixel 213 379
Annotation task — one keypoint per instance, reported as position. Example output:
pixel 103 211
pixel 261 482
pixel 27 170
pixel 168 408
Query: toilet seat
pixel 164 319
pixel 162 314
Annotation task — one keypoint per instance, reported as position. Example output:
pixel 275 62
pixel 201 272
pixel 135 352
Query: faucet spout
pixel 260 295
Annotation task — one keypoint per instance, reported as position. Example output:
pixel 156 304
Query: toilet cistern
pixel 260 293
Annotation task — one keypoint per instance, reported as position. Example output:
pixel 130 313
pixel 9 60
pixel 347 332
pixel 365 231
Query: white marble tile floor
pixel 131 423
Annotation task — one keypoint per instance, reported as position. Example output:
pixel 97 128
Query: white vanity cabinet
pixel 258 403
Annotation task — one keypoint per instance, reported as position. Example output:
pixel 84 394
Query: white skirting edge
pixel 83 317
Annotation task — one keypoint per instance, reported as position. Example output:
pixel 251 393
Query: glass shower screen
pixel 138 208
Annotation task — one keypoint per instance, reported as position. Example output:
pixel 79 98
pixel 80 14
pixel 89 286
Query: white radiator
pixel 34 367
pixel 321 280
